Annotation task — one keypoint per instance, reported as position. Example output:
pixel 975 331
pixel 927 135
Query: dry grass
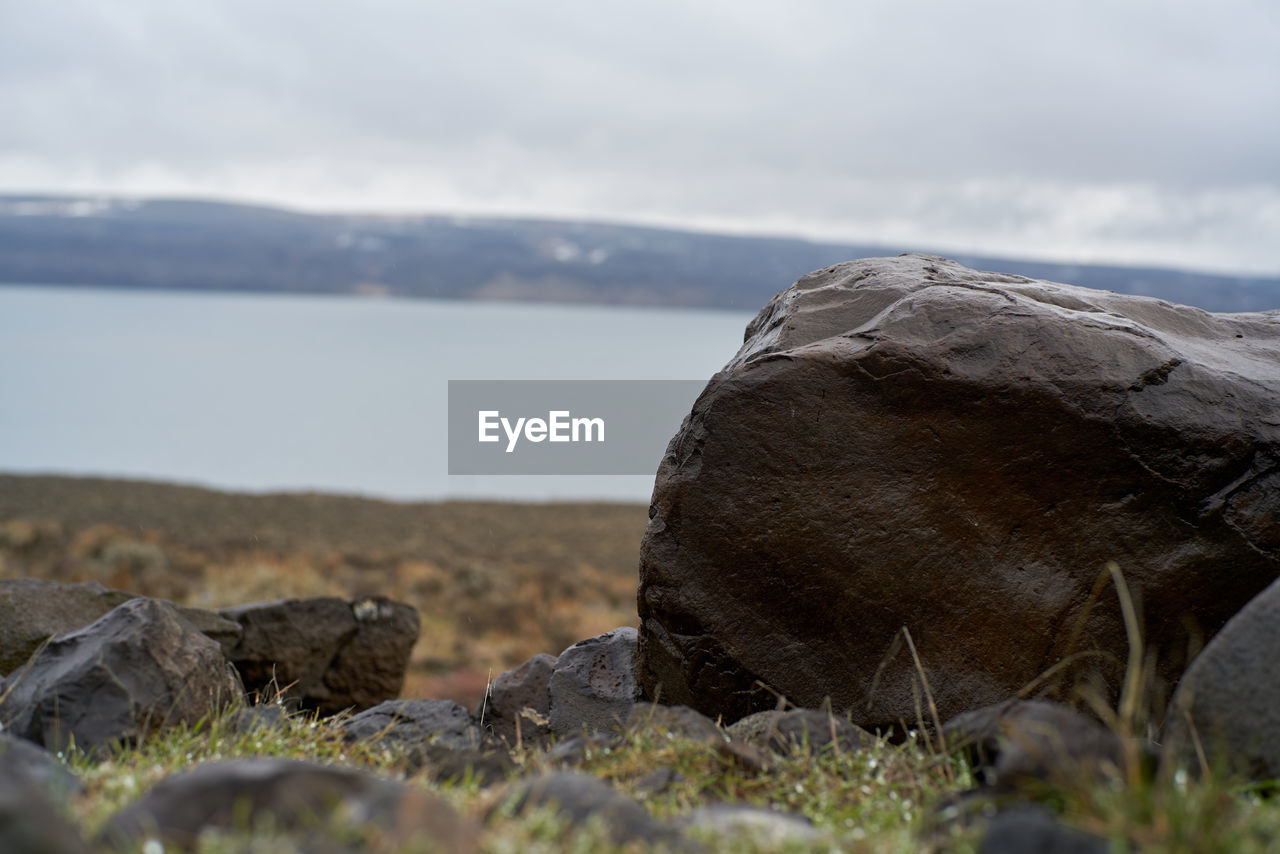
pixel 493 583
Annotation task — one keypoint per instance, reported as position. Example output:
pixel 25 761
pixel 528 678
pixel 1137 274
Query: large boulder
pixel 325 653
pixel 139 668
pixel 32 610
pixel 905 442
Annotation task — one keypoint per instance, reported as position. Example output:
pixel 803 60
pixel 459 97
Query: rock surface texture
pixel 907 442
pixel 139 668
pixel 326 654
pixel 1226 711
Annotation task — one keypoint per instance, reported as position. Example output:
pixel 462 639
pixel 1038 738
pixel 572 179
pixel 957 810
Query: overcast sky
pixel 1116 130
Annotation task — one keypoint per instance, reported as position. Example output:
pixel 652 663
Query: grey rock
pixel 32 610
pixel 137 669
pixel 785 732
pixel 325 653
pixel 1036 830
pixel 751 825
pixel 1227 706
pixel 512 693
pixel 398 723
pixel 1013 743
pixel 31 824
pixel 674 721
pixel 259 718
pixel 30 766
pixel 907 442
pixel 579 797
pixel 294 798
pixel 593 686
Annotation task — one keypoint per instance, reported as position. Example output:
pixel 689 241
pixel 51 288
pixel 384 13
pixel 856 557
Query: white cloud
pixel 1124 130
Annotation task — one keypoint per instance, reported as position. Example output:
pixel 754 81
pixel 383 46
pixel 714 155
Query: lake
pixel 287 393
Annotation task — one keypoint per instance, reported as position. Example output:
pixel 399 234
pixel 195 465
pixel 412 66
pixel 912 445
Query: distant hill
pixel 191 245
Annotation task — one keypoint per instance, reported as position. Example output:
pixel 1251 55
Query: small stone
pixel 399 723
pixel 139 668
pixel 291 797
pixel 789 731
pixel 520 697
pixel 593 685
pixel 1035 740
pixel 578 797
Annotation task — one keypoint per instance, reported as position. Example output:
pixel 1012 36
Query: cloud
pixel 1121 130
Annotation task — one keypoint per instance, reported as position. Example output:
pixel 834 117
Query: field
pixel 493 583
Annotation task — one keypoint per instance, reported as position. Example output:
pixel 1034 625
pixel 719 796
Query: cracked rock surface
pixel 908 442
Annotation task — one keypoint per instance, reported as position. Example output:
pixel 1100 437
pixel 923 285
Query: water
pixel 264 392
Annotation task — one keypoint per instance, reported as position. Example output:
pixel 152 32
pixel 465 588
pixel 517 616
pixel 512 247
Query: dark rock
pixel 139 668
pixel 755 826
pixel 1035 741
pixel 675 721
pixel 1227 706
pixel 789 731
pixel 579 797
pixel 398 723
pixel 1036 830
pixel 31 824
pixel 264 716
pixel 29 766
pixel 324 653
pixel 32 610
pixel 906 442
pixel 520 696
pixel 290 797
pixel 593 685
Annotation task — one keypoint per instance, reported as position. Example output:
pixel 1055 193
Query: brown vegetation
pixel 494 583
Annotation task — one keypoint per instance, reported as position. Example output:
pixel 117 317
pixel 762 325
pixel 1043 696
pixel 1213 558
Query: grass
pixel 883 799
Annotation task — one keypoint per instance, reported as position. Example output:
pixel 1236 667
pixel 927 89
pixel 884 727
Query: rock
pixel 30 824
pixel 259 718
pixel 29 766
pixel 1035 741
pixel 789 731
pixel 1035 830
pixel 291 797
pixel 593 685
pixel 512 693
pixel 32 610
pixel 139 668
pixel 1227 706
pixel 576 798
pixel 399 723
pixel 756 827
pixel 674 721
pixel 324 653
pixel 906 442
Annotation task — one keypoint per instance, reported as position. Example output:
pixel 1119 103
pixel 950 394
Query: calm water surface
pixel 264 392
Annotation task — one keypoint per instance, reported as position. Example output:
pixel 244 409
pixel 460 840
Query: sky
pixel 1121 131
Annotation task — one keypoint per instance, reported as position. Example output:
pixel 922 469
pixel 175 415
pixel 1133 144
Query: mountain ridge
pixel 182 244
